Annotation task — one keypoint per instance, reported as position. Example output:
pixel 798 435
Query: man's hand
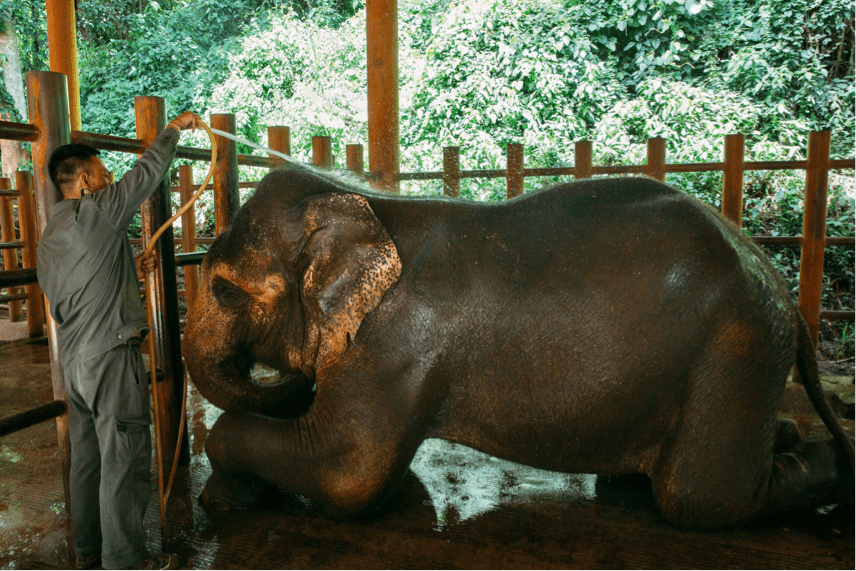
pixel 186 120
pixel 145 263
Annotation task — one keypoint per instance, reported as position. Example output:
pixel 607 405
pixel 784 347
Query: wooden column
pixel 62 50
pixel 514 172
pixel 582 159
pixel 161 294
pixel 657 158
pixel 10 256
pixel 30 237
pixel 47 106
pixel 322 152
pixel 732 179
pixel 452 171
pixel 226 197
pixel 354 158
pixel 382 68
pixel 279 139
pixel 188 233
pixel 814 230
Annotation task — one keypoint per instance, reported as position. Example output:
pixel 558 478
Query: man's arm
pixel 122 199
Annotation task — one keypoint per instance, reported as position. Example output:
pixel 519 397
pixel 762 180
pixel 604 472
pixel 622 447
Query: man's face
pixel 96 176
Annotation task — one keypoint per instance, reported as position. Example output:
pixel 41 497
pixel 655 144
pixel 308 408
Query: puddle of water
pixel 463 483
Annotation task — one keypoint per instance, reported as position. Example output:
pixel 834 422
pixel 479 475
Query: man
pixel 87 271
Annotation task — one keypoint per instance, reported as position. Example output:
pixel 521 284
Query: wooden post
pixel 582 159
pixel 161 294
pixel 452 171
pixel 732 179
pixel 188 233
pixel 47 106
pixel 814 231
pixel 657 158
pixel 62 50
pixel 30 237
pixel 226 197
pixel 322 152
pixel 514 172
pixel 10 257
pixel 354 158
pixel 279 139
pixel 382 76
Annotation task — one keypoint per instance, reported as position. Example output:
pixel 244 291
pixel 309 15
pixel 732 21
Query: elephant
pixel 604 326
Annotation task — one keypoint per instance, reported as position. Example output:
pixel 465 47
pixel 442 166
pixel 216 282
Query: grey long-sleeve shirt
pixel 85 264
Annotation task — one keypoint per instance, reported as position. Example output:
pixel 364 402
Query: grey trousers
pixel 111 449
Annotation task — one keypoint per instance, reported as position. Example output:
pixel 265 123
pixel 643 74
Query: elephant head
pixel 287 286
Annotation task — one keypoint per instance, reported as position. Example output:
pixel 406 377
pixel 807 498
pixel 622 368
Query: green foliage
pixel 480 74
pixel 299 74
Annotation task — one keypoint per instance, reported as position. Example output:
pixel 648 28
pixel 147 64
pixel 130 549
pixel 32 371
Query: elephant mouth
pixel 281 392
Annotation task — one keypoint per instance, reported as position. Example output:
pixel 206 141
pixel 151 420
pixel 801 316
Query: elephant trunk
pixel 219 362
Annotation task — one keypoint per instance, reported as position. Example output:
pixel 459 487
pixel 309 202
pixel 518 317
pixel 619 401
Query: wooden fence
pixel 47 96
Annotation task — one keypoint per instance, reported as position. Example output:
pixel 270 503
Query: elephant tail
pixel 810 379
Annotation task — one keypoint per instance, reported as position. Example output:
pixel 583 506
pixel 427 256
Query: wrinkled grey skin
pixel 607 326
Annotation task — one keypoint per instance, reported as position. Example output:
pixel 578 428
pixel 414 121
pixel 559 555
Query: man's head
pixel 75 168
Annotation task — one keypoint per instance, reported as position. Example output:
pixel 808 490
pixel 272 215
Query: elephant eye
pixel 229 294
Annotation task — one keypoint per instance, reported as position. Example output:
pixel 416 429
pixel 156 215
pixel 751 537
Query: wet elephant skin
pixel 606 326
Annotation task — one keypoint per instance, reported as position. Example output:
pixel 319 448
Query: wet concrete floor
pixel 457 508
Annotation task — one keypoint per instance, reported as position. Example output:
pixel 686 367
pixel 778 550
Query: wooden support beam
pixel 732 179
pixel 30 237
pixel 188 233
pixel 382 72
pixel 354 158
pixel 582 159
pixel 10 256
pixel 226 197
pixel 161 294
pixel 514 171
pixel 322 152
pixel 657 159
pixel 814 230
pixel 279 139
pixel 452 171
pixel 62 51
pixel 47 106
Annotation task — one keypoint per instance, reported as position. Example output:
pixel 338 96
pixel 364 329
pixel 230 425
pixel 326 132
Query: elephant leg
pixel 341 468
pixel 714 470
pixel 809 475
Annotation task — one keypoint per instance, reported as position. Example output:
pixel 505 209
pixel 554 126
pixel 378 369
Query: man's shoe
pixel 87 561
pixel 165 561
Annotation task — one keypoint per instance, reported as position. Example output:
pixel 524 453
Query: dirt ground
pixel 456 508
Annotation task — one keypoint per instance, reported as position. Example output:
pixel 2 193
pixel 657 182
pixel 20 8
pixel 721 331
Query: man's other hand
pixel 145 263
pixel 185 121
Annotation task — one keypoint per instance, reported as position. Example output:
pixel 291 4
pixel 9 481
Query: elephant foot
pixel 225 492
pixel 788 435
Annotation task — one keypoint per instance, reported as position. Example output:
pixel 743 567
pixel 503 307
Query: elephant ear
pixel 349 262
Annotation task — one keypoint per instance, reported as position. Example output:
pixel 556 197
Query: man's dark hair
pixel 68 161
